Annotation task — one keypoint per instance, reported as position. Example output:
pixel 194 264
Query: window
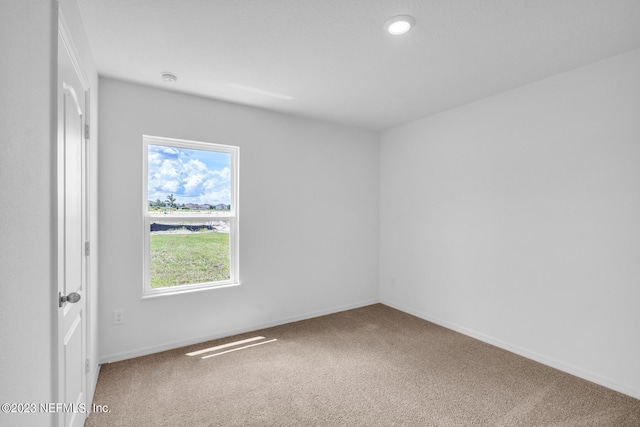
pixel 190 212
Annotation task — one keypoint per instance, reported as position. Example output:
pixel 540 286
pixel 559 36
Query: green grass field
pixel 179 259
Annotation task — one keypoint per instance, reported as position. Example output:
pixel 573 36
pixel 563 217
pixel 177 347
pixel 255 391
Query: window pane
pixel 186 181
pixel 188 252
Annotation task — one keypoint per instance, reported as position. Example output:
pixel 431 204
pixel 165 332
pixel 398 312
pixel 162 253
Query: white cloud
pixel 224 174
pixel 170 169
pixel 195 165
pixel 154 159
pixel 222 196
pixel 193 184
pixel 171 186
pixel 169 150
pixel 176 171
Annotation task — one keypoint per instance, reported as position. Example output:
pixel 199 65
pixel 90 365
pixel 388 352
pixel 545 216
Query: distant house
pixel 221 207
pixel 196 207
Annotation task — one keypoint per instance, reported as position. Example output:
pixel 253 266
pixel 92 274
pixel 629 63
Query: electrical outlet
pixel 118 317
pixel 393 280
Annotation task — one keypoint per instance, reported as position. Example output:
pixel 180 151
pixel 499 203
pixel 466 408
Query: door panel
pixel 71 237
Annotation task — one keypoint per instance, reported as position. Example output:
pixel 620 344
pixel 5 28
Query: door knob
pixel 73 297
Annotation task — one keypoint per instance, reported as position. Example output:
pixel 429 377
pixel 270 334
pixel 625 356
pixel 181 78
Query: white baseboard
pixel 143 351
pixel 589 376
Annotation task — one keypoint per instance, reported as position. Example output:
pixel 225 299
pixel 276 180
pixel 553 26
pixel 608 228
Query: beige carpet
pixel 372 366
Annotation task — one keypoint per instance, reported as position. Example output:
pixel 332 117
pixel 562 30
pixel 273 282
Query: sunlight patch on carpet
pixel 220 347
pixel 239 348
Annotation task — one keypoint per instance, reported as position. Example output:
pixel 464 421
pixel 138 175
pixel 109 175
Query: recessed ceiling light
pixel 399 24
pixel 169 78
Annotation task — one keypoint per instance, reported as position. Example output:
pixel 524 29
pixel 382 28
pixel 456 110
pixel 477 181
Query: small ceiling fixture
pixel 169 78
pixel 399 24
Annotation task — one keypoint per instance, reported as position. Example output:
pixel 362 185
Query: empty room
pixel 320 213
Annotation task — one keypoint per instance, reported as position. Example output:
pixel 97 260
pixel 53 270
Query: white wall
pixel 28 120
pixel 27 138
pixel 516 219
pixel 308 219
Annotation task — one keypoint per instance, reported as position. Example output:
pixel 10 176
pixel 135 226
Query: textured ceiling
pixel 336 62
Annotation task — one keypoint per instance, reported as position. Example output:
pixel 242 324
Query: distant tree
pixel 171 200
pixel 159 203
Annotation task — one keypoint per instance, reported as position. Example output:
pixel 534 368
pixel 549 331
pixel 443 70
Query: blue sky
pixel 192 176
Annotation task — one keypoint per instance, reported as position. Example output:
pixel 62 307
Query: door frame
pixel 64 34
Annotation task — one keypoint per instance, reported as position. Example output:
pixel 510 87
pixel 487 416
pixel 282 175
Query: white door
pixel 71 238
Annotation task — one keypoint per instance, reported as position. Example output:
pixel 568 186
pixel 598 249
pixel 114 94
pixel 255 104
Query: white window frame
pixel 231 216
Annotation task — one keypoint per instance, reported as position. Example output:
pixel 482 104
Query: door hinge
pixel 87 367
pixel 87 249
pixel 86 131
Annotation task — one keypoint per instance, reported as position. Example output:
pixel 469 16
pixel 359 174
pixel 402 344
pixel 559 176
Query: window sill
pixel 152 295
